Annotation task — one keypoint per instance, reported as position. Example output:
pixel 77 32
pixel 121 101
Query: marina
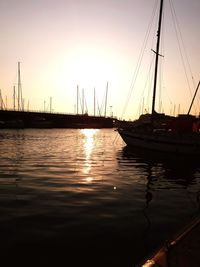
pixel 99 164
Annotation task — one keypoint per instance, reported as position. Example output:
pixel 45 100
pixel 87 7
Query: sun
pixel 91 67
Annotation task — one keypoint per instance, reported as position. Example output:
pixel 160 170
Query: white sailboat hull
pixel 163 142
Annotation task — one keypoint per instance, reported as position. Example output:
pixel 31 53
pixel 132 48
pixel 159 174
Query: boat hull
pixel 163 142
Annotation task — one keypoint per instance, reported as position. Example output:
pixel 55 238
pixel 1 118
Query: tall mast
pixel 20 100
pixel 157 56
pixel 28 106
pixel 77 98
pixel 2 106
pixel 50 105
pixel 106 99
pixel 18 88
pixel 94 102
pixel 83 99
pixel 14 97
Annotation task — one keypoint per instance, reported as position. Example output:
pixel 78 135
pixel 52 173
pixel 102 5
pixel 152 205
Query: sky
pixel 65 44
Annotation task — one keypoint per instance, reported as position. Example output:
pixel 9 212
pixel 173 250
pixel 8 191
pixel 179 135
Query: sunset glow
pixel 62 44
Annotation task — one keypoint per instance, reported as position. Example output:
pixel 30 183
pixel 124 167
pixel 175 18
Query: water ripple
pixel 87 179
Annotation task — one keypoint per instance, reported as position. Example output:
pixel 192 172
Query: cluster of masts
pixel 80 107
pixel 82 104
pixel 18 101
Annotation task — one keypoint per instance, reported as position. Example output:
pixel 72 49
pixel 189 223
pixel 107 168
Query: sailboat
pixel 160 132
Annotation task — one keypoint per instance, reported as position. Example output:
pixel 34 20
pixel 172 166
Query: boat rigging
pixel 160 132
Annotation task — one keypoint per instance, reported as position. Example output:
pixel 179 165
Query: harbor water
pixel 83 198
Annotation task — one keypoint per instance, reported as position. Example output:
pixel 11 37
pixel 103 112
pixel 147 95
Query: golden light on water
pixel 89 179
pixel 88 148
pixel 89 141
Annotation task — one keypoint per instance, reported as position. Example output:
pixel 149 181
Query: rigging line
pixel 139 59
pixel 137 68
pixel 179 38
pixel 198 100
pixel 148 77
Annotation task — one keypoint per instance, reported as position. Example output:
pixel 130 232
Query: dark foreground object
pixel 183 251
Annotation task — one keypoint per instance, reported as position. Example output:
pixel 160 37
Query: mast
pixel 19 85
pixel 50 108
pixel 28 106
pixel 86 109
pixel 106 99
pixel 77 96
pixel 14 97
pixel 83 98
pixel 94 101
pixel 2 106
pixel 157 56
pixel 18 88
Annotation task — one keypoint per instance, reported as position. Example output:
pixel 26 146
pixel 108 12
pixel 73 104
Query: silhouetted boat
pixel 160 132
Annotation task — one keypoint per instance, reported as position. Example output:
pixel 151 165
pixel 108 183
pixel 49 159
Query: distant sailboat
pixel 160 132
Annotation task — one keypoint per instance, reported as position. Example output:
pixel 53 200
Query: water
pixel 82 198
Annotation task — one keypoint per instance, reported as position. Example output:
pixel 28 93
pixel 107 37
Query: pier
pixel 27 119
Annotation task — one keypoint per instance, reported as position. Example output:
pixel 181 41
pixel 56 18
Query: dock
pixel 27 119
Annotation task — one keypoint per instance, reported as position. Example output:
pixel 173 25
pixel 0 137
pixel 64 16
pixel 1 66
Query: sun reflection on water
pixel 88 148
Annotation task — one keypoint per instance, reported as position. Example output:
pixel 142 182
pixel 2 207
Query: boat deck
pixel 183 251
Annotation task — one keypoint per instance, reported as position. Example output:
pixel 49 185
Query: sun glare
pixel 88 147
pixel 89 68
pixel 91 63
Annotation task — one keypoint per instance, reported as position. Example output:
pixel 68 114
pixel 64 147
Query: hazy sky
pixel 65 43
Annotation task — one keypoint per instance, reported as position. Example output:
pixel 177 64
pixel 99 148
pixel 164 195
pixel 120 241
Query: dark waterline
pixel 80 196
